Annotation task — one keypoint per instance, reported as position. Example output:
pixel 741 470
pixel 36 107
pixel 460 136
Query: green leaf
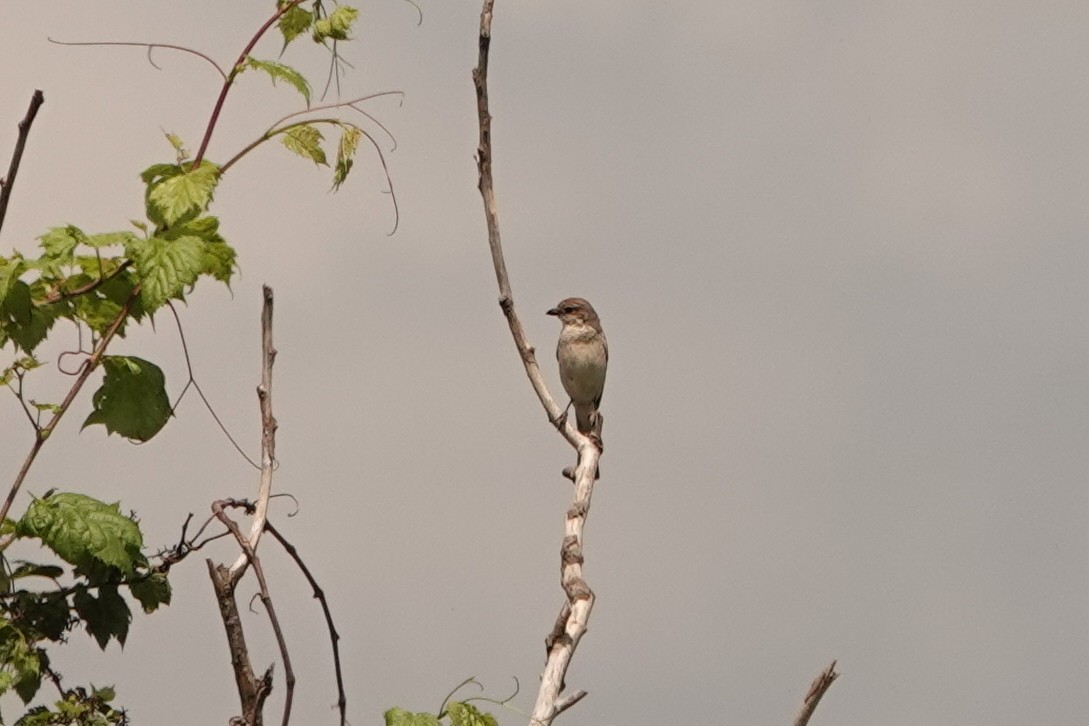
pixel 281 72
pixel 106 616
pixel 43 615
pixel 60 245
pixel 165 267
pixel 24 324
pixel 83 531
pixel 337 26
pixel 294 23
pixel 464 714
pixel 107 239
pixel 132 401
pixel 400 717
pixel 219 262
pixel 174 194
pixel 306 142
pixel 349 142
pixel 151 591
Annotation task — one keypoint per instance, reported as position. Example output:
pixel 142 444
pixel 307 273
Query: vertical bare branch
pixel 571 625
pixel 8 182
pixel 816 690
pixel 268 432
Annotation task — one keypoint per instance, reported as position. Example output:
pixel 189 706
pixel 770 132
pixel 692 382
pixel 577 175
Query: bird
pixel 583 355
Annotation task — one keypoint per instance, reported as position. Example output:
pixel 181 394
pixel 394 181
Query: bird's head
pixel 575 311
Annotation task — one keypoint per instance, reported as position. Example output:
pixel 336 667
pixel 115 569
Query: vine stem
pixel 229 81
pixel 43 433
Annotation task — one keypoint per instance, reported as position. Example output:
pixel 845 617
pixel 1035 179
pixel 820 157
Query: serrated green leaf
pixel 281 72
pixel 43 615
pixel 83 531
pixel 60 243
pixel 106 616
pixel 337 26
pixel 174 194
pixel 465 714
pixel 400 717
pixel 306 142
pixel 294 23
pixel 132 401
pixel 349 142
pixel 107 239
pixel 151 591
pixel 219 262
pixel 165 267
pixel 24 324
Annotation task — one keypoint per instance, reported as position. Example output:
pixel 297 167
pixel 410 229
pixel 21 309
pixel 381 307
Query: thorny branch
pixel 571 625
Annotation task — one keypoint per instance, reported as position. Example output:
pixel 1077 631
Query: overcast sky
pixel 839 249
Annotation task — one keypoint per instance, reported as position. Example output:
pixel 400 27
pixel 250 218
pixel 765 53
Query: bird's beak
pixel 553 311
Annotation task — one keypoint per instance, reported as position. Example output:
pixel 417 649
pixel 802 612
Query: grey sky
pixel 839 249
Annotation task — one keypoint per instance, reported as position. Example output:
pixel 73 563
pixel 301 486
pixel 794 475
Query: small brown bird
pixel 583 355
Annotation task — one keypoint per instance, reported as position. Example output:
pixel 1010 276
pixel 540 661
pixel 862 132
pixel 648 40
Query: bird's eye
pixel 569 309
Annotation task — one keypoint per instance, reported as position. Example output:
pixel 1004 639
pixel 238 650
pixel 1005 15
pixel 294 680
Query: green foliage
pixel 465 714
pixel 177 194
pixel 78 707
pixel 459 713
pixel 84 532
pixel 349 142
pixel 337 25
pixel 102 282
pixel 280 72
pixel 401 717
pixel 132 400
pixel 305 140
pixel 294 22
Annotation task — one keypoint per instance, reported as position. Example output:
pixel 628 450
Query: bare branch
pixel 334 636
pixel 571 625
pixel 266 600
pixel 268 433
pixel 816 690
pixel 8 182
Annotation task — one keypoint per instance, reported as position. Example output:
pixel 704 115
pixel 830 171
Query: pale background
pixel 839 249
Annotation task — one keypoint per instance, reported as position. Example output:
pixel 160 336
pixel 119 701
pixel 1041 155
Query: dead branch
pixel 268 431
pixel 575 614
pixel 816 690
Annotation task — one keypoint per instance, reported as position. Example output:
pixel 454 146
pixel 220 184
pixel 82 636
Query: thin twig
pixel 150 47
pixel 334 636
pixel 8 182
pixel 575 614
pixel 86 368
pixel 193 382
pixel 816 690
